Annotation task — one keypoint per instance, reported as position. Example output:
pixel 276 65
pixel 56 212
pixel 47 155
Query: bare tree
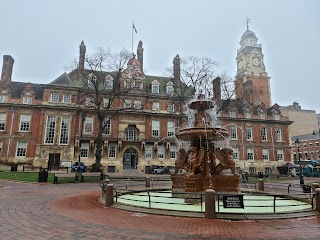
pixel 100 87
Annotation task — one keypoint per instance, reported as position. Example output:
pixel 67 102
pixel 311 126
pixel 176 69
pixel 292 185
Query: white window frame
pixel 66 98
pixel 233 132
pixel 54 97
pixel 170 128
pixel 265 154
pixel 235 153
pixel 278 134
pixel 148 151
pixel 131 134
pixel 106 102
pixel 24 125
pixel 170 107
pixel 64 130
pixel 155 106
pixel 169 89
pixel 233 114
pixel 137 104
pixel 3 118
pixel 247 115
pixel 112 150
pixel 21 149
pixel 173 151
pixel 84 151
pixel 109 84
pixel 155 128
pixel 88 125
pixel 161 152
pixel 127 103
pixel 249 134
pixel 50 130
pixel 27 100
pixel 3 98
pixel 263 134
pixel 155 88
pixel 262 116
pixel 280 155
pixel 89 101
pixel 106 130
pixel 250 154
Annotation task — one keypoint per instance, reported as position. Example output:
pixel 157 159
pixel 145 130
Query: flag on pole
pixel 134 28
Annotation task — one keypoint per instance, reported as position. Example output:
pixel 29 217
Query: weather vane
pixel 248 20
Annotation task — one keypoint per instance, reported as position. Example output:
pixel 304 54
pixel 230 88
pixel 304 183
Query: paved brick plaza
pixel 71 211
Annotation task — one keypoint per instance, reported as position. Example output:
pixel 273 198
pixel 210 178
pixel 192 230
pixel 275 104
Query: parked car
pixel 157 170
pixel 74 167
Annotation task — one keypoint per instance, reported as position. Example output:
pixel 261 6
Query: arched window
pixel 131 133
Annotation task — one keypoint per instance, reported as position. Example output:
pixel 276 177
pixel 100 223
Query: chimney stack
pixel 176 71
pixel 82 57
pixel 216 84
pixel 140 55
pixel 7 67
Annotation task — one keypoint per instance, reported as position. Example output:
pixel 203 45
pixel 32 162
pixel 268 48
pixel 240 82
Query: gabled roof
pixel 18 87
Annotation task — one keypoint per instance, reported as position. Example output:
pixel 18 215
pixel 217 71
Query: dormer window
pixel 3 98
pixel 170 107
pixel 54 97
pixel 155 86
pixel 233 114
pixel 276 117
pixel 106 102
pixel 127 104
pixel 247 114
pixel 109 82
pixel 89 101
pixel 92 80
pixel 169 88
pixel 27 100
pixel 262 116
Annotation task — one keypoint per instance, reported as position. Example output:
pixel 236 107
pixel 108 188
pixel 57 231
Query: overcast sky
pixel 44 36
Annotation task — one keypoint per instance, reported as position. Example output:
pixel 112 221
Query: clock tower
pixel 252 81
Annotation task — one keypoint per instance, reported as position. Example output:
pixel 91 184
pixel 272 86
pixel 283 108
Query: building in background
pixel 304 121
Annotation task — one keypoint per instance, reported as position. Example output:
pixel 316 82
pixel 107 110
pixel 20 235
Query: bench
pixel 59 169
pixel 64 175
pixel 31 167
pixel 90 174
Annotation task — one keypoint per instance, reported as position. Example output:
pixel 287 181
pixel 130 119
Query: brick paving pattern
pixel 72 211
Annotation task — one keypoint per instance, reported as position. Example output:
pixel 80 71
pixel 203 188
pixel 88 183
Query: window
pixel 24 123
pixel 155 128
pixel 247 115
pixel 155 106
pixel 169 89
pixel 263 134
pixel 160 152
pixel 54 97
pixel 172 152
pixel 137 104
pixel 84 153
pixel 2 121
pixel 3 98
pixel 64 129
pixel 50 127
pixel 265 154
pixel 112 150
pixel 88 125
pixel 233 114
pixel 106 102
pixel 27 100
pixel 250 154
pixel 170 128
pixel 262 116
pixel 127 104
pixel 233 132
pixel 92 80
pixel 66 98
pixel 106 126
pixel 89 101
pixel 21 149
pixel 170 107
pixel 252 170
pixel 276 117
pixel 148 152
pixel 131 133
pixel 278 135
pixel 317 144
pixel 235 153
pixel 267 171
pixel 310 145
pixel 155 89
pixel 280 154
pixel 249 133
pixel 109 84
pixel 0 147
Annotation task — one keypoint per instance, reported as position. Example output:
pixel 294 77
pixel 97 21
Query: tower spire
pixel 248 20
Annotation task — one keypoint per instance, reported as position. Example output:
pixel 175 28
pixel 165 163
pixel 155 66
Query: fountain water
pixel 199 160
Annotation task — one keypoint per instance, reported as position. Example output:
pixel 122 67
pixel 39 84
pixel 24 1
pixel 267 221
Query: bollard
pixel 109 195
pixel 317 191
pixel 147 182
pixel 260 185
pixel 210 204
pixel 314 187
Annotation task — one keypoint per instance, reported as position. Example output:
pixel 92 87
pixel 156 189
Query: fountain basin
pixel 188 134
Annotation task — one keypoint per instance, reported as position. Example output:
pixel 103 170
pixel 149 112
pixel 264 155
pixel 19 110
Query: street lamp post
pixel 297 142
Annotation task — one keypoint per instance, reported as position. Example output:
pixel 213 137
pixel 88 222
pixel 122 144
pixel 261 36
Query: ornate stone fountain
pixel 200 165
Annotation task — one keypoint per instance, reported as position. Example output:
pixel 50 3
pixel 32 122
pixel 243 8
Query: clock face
pixel 240 64
pixel 256 61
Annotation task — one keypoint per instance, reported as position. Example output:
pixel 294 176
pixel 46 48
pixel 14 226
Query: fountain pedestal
pixel 193 183
pixel 178 181
pixel 222 183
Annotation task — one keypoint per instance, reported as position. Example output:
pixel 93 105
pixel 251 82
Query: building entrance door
pixel 54 160
pixel 130 159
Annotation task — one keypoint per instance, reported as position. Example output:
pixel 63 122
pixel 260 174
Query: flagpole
pixel 132 38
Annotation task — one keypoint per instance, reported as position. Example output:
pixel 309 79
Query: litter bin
pixel 245 177
pixel 14 167
pixel 43 175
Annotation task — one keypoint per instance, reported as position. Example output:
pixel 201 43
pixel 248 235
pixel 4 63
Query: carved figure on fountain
pixel 225 157
pixel 182 160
